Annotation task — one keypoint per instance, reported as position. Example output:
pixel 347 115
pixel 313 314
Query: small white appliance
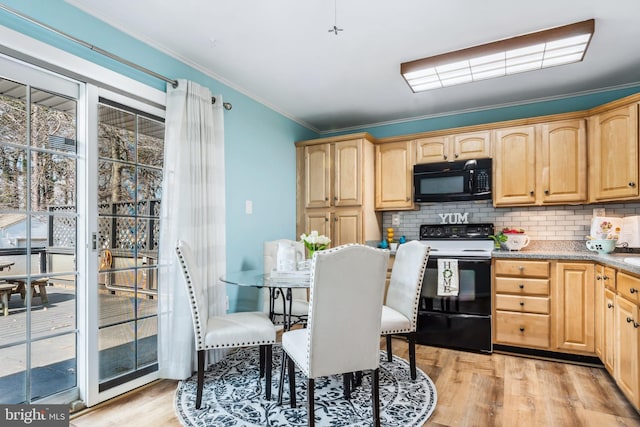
pixel 630 232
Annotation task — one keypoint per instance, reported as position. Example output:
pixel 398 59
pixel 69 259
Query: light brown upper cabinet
pixel 514 168
pixel 462 146
pixel 333 174
pixel 335 188
pixel 562 164
pixel 394 176
pixel 613 155
pixel 541 164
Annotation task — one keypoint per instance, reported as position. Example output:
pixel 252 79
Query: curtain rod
pixel 174 83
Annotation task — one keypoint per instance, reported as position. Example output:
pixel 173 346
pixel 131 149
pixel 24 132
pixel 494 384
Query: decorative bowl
pixel 515 242
pixel 602 246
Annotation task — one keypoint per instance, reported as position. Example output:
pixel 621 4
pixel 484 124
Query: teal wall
pixel 260 154
pixel 490 115
pixel 259 143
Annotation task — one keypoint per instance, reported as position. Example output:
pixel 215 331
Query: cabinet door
pixel 614 154
pixel 318 219
pixel 348 173
pixel 317 175
pixel 394 176
pixel 514 166
pixel 600 309
pixel 609 346
pixel 347 227
pixel 473 145
pixel 434 149
pixel 574 302
pixel 626 353
pixel 563 162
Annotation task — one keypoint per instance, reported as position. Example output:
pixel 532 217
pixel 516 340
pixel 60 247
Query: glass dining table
pixel 279 285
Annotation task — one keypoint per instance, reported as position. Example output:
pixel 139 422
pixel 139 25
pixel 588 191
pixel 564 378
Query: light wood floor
pixel 473 390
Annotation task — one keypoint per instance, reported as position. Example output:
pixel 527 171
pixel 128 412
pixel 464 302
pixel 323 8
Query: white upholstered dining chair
pixel 233 330
pixel 343 329
pixel 400 312
pixel 299 301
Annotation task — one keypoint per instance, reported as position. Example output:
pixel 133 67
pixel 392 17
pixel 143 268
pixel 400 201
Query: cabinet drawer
pixel 525 304
pixel 522 268
pixel 513 285
pixel 522 329
pixel 628 286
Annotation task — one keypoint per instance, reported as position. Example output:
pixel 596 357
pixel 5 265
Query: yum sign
pixel 454 218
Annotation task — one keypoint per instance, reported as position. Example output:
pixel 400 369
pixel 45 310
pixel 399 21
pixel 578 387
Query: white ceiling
pixel 281 53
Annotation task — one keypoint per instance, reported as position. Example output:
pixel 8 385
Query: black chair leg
pixel 311 419
pixel 262 350
pixel 292 382
pixel 346 380
pixel 201 357
pixel 412 354
pixel 375 397
pixel 267 379
pixel 283 368
pixel 389 351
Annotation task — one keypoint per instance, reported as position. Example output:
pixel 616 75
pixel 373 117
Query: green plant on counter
pixel 499 238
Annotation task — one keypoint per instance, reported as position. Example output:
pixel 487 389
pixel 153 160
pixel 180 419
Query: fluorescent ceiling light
pixel 534 51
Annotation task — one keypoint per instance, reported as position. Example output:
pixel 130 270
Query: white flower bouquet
pixel 315 242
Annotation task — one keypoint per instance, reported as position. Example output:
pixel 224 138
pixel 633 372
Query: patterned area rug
pixel 234 396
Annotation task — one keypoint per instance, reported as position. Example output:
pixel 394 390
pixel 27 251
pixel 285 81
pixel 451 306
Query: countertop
pixel 615 259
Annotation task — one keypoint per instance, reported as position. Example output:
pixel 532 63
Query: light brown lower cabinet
pixel 574 302
pixel 522 303
pixel 609 337
pixel 627 327
pixel 571 307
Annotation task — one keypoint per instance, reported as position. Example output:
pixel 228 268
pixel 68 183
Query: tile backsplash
pixel 541 223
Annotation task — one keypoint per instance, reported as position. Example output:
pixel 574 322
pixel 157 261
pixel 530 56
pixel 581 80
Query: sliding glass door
pixel 130 158
pixel 80 193
pixel 39 242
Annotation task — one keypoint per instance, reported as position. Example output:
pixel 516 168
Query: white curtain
pixel 193 210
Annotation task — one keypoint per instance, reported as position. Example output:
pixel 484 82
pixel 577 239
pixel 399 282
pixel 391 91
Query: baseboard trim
pixel 577 359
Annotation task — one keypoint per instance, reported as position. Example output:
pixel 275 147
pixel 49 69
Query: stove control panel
pixel 455 231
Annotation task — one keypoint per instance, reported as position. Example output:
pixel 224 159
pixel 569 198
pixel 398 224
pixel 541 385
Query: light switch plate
pixel 598 212
pixel 248 207
pixel 395 220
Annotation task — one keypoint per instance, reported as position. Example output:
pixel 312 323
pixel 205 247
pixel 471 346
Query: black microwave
pixel 452 181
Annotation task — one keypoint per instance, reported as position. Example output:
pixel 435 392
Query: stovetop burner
pixel 455 231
